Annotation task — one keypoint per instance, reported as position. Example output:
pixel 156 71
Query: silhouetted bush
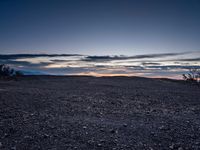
pixel 6 71
pixel 193 75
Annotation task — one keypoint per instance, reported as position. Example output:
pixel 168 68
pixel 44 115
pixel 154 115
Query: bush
pixel 6 71
pixel 193 75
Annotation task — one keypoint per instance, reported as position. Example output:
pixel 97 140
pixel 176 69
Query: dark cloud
pixel 150 63
pixel 170 67
pixel 135 67
pixel 190 59
pixel 101 66
pixel 25 63
pixel 100 58
pixel 161 67
pixel 13 62
pixel 17 56
pixel 156 55
pixel 87 58
pixel 60 60
pixel 110 58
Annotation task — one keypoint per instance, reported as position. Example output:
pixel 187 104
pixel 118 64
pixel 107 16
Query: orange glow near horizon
pixel 177 77
pixel 103 74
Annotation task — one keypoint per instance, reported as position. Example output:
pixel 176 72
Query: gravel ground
pixel 58 113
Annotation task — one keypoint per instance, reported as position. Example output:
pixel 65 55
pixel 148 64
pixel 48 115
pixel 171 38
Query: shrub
pixel 6 71
pixel 193 75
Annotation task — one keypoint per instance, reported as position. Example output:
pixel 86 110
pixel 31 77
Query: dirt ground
pixel 58 113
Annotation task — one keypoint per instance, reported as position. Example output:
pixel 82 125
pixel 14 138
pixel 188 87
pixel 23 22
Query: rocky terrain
pixel 58 113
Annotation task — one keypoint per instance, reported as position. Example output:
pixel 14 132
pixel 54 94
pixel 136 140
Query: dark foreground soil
pixel 57 113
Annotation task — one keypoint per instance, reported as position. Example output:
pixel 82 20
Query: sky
pixel 101 37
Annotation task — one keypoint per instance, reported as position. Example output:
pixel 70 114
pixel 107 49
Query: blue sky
pixel 99 27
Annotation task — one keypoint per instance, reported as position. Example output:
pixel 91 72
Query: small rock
pixel 152 133
pixel 32 114
pixel 6 134
pixel 1 144
pixel 113 131
pixel 164 127
pixel 102 130
pixel 171 146
pixel 125 125
pixel 13 148
pixel 180 148
pixel 161 127
pixel 150 148
pixel 116 140
pixel 112 103
pixel 27 137
pixel 99 144
pixel 84 127
pixel 46 135
pixel 102 140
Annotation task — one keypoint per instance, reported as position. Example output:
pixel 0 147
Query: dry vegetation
pixel 192 76
pixel 6 71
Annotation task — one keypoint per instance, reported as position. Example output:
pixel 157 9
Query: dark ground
pixel 98 113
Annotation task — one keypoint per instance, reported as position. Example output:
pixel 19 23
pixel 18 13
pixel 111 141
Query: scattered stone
pixel 32 114
pixel 84 127
pixel 113 131
pixel 180 148
pixel 150 148
pixel 45 135
pixel 125 125
pixel 99 144
pixel 161 127
pixel 171 146
pixel 102 130
pixel 13 148
pixel 102 140
pixel 74 126
pixel 5 134
pixel 27 137
pixel 116 140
